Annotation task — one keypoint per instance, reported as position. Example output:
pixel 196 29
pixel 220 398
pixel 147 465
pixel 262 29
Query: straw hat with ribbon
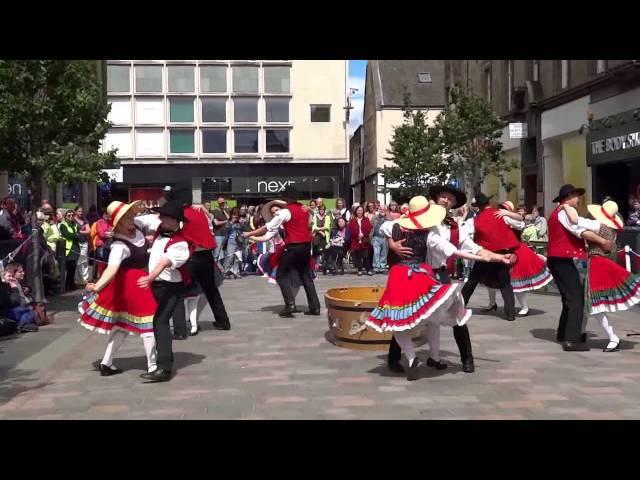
pixel 266 210
pixel 607 214
pixel 508 205
pixel 422 214
pixel 117 210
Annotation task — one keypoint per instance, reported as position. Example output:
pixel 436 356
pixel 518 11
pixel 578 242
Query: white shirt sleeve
pixel 118 253
pixel 178 254
pixel 515 224
pixel 587 224
pixel 436 242
pixel 147 223
pixel 574 229
pixel 282 216
pixel 468 245
pixel 387 228
pixel 269 235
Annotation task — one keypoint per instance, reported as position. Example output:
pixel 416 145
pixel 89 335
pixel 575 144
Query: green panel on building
pixel 181 110
pixel 182 141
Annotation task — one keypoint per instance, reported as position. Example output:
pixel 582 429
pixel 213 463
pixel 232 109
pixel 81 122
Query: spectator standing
pixel 360 228
pixel 93 216
pixel 379 241
pixel 14 218
pixel 321 229
pixel 69 231
pixel 342 210
pixel 633 220
pixel 313 210
pixel 540 223
pixel 394 213
pixel 234 243
pixel 101 241
pixel 84 230
pixel 51 227
pixel 220 227
pixel 370 211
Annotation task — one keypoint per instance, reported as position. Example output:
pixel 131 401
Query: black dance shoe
pixel 158 375
pixel 413 373
pixel 490 308
pixel 395 367
pixel 222 326
pixel 437 365
pixel 468 365
pixel 575 346
pixel 287 312
pixel 180 336
pixel 106 371
pixel 615 348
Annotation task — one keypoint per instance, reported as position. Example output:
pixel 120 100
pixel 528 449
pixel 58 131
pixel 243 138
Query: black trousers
pixel 70 273
pixel 296 256
pixel 202 268
pixel 498 271
pixel 460 333
pixel 362 259
pixel 168 295
pixel 567 279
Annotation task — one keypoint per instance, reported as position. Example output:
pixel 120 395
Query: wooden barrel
pixel 348 308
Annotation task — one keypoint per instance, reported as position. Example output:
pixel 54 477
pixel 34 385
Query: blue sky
pixel 357 70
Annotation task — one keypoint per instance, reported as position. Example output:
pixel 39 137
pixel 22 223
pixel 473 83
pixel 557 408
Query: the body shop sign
pixel 620 141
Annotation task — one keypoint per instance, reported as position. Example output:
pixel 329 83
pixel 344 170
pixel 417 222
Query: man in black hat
pixel 294 218
pixel 448 197
pixel 169 252
pixel 566 243
pixel 492 234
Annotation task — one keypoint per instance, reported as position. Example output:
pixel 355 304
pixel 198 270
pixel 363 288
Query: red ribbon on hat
pixel 412 216
pixel 610 218
pixel 115 213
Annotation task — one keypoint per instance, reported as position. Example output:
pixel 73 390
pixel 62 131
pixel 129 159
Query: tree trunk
pixel 34 267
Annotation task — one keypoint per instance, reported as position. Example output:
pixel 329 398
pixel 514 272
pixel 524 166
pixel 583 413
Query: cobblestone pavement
pixel 272 368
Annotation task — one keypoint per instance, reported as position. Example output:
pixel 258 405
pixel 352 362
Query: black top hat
pixel 173 209
pixel 481 200
pixel 436 190
pixel 566 190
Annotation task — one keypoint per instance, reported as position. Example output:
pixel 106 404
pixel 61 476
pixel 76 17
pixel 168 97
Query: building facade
pixel 244 129
pixel 387 84
pixel 578 119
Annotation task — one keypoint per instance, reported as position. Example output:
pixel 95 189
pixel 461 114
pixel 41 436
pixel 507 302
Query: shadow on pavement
pixel 180 360
pixel 15 382
pixel 549 334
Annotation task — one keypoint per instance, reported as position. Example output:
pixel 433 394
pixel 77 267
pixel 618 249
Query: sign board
pixel 150 196
pixel 518 130
pixel 619 141
pixel 115 174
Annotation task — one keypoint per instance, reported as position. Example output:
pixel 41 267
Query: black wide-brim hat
pixel 436 190
pixel 566 190
pixel 481 200
pixel 173 209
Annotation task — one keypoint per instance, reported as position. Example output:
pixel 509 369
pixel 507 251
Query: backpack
pixel 93 237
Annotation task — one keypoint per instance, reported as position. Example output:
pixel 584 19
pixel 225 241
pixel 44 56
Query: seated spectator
pixel 530 232
pixel 15 303
pixel 540 222
pixel 633 220
pixel 338 246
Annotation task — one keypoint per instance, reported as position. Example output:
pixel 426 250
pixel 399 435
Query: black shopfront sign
pixel 267 186
pixel 614 139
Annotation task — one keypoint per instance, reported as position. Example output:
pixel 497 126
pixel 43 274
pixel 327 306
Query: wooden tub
pixel 348 308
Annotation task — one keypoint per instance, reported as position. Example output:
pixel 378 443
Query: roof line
pixel 379 78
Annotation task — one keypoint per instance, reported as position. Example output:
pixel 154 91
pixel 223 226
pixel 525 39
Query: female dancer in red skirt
pixel 413 294
pixel 609 288
pixel 116 305
pixel 530 271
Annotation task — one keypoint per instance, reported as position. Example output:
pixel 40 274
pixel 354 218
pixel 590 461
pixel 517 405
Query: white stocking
pixel 522 300
pixel 406 344
pixel 492 296
pixel 433 336
pixel 604 321
pixel 191 306
pixel 116 339
pixel 149 342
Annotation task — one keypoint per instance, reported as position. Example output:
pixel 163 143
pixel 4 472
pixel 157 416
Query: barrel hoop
pixel 363 342
pixel 350 309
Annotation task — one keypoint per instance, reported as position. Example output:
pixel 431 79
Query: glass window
pixel 245 80
pixel 277 141
pixel 150 111
pixel 149 79
pixel 213 79
pixel 277 110
pixel 424 77
pixel 181 141
pixel 181 110
pixel 118 80
pixel 119 139
pixel 246 140
pixel 120 113
pixel 214 141
pixel 150 142
pixel 181 79
pixel 245 110
pixel 214 109
pixel 276 79
pixel 320 113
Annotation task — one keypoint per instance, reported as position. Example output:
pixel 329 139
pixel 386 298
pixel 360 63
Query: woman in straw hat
pixel 116 305
pixel 530 272
pixel 413 294
pixel 609 287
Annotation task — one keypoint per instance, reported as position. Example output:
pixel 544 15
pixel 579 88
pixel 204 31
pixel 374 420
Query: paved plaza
pixel 267 367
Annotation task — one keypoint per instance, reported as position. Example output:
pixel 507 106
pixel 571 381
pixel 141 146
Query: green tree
pixel 470 134
pixel 414 153
pixel 53 117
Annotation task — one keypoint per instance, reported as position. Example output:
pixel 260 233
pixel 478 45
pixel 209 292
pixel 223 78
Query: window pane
pixel 245 80
pixel 276 79
pixel 213 79
pixel 277 141
pixel 150 142
pixel 120 113
pixel 181 141
pixel 277 109
pixel 245 110
pixel 181 110
pixel 118 79
pixel 149 79
pixel 214 141
pixel 214 109
pixel 246 140
pixel 181 79
pixel 150 111
pixel 320 113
